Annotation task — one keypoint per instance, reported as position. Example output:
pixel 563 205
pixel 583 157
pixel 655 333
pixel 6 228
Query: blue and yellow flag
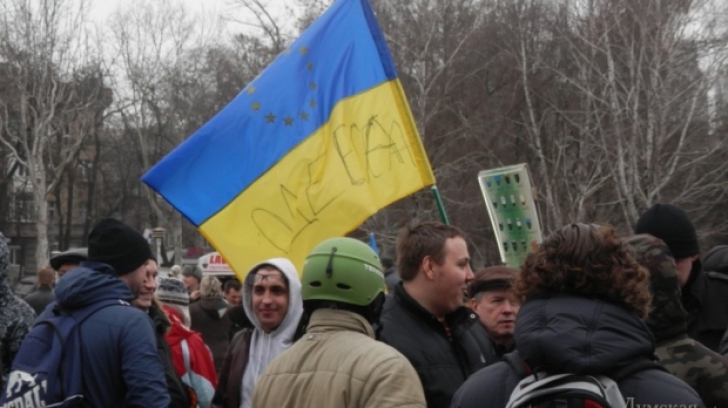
pixel 318 142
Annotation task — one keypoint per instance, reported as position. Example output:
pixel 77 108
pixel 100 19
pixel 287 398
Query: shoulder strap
pixel 516 362
pixel 186 356
pixel 79 315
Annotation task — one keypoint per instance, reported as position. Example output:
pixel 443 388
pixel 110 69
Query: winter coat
pixel 252 350
pixel 568 334
pixel 178 392
pixel 207 316
pixel 701 368
pixel 704 298
pixel 41 298
pixel 338 363
pixel 495 352
pixel 442 363
pixel 16 317
pixel 121 364
pixel 201 376
pixel 229 388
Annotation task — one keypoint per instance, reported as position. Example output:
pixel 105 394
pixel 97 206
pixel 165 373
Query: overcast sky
pixel 102 9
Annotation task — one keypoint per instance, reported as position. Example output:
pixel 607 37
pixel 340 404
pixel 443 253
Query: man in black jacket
pixel 492 299
pixel 425 318
pixel 703 288
pixel 39 299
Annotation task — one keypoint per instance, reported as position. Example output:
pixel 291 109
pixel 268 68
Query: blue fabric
pixel 121 366
pixel 341 55
pixel 373 243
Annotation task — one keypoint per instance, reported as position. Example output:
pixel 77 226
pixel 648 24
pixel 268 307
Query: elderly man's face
pixel 497 310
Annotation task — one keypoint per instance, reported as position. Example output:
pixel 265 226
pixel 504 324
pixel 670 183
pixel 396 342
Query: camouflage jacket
pixel 16 317
pixel 701 368
pixel 668 317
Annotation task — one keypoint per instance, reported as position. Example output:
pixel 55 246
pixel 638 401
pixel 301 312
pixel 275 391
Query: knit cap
pixel 117 244
pixel 172 290
pixel 673 226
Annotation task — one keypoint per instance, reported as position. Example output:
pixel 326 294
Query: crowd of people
pixel 353 330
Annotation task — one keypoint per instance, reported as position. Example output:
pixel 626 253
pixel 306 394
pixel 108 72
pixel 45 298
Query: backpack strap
pixel 518 364
pixel 186 356
pixel 80 315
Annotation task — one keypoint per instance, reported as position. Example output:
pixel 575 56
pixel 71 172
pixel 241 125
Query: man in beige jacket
pixel 338 363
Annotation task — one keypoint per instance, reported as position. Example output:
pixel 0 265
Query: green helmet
pixel 344 270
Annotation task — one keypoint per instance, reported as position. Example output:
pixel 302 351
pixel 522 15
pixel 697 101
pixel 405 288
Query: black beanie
pixel 672 225
pixel 117 244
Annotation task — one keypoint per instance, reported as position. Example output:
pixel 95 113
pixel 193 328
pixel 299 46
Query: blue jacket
pixel 121 365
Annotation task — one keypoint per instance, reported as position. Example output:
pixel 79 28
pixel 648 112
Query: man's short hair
pixel 232 284
pixel 46 276
pixel 415 242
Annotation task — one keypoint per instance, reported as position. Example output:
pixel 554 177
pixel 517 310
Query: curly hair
pixel 589 261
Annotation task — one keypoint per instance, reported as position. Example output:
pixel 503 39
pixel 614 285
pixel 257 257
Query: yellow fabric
pixel 365 157
pixel 337 363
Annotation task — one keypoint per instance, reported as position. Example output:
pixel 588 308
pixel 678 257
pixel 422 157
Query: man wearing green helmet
pixel 426 319
pixel 338 362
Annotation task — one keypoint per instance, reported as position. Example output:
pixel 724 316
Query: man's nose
pixel 469 276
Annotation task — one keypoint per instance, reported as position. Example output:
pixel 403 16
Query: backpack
pixel 542 390
pixel 46 371
pixel 203 388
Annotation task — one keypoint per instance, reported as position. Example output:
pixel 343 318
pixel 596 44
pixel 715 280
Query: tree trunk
pixel 41 224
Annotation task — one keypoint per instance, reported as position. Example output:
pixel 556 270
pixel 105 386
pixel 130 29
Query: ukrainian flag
pixel 318 142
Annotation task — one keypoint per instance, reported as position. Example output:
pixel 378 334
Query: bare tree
pixel 52 91
pixel 161 51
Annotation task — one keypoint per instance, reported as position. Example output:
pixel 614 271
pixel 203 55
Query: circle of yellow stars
pixel 288 120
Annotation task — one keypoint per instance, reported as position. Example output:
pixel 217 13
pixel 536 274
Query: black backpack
pixel 539 389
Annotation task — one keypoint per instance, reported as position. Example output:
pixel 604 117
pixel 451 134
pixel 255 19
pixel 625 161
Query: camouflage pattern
pixel 701 368
pixel 668 317
pixel 16 317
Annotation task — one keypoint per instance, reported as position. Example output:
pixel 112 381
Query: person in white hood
pixel 272 302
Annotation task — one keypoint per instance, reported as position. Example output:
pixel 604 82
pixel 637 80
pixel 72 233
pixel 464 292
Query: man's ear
pixel 427 267
pixel 473 304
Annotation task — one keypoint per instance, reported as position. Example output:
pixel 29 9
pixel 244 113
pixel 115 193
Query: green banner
pixel 508 196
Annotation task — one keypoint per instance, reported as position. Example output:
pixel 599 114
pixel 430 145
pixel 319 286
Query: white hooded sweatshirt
pixel 264 347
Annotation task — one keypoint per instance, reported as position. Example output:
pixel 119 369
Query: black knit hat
pixel 117 244
pixel 672 225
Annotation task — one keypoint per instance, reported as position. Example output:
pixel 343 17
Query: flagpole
pixel 440 205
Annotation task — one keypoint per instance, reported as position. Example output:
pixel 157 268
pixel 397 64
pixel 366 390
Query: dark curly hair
pixel 589 261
